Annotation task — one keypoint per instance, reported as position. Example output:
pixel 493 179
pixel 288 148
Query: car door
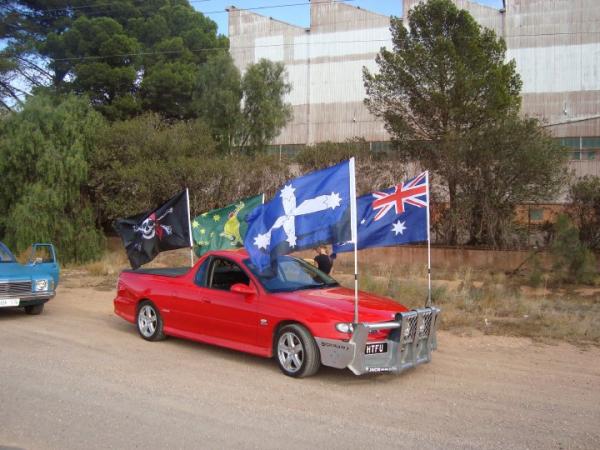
pixel 232 316
pixel 43 261
pixel 188 309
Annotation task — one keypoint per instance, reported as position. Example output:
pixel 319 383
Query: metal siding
pixel 555 43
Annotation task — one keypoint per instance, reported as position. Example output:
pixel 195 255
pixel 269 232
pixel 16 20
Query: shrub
pixel 572 260
pixel 585 210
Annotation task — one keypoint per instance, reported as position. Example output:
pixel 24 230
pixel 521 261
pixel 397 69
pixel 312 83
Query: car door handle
pixel 205 300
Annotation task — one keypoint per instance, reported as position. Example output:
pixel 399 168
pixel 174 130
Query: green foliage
pixel 511 162
pixel 572 260
pixel 585 209
pixel 451 102
pixel 264 111
pixel 140 162
pixel 127 56
pixel 44 151
pixel 217 98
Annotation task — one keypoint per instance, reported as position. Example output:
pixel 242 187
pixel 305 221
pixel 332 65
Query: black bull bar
pixel 410 342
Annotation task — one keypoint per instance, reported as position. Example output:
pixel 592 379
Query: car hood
pixel 19 272
pixel 341 301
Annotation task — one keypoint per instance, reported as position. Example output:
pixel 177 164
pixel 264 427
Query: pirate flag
pixel 147 234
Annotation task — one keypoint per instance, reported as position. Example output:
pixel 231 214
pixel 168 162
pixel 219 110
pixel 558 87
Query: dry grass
pixel 492 303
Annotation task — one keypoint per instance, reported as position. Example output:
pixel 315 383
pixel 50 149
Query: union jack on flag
pixel 394 216
pixel 413 193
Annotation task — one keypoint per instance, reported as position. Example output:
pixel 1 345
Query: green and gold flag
pixel 224 228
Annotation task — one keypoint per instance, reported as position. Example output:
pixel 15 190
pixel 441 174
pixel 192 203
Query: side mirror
pixel 242 288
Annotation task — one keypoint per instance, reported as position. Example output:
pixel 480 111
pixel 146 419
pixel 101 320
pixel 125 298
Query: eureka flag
pixel 397 215
pixel 224 228
pixel 147 234
pixel 307 211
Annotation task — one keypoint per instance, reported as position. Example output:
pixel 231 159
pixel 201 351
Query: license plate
pixel 5 302
pixel 372 349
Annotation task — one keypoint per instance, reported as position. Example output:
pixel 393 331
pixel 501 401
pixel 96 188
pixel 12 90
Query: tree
pixel 217 98
pixel 445 93
pixel 44 151
pixel 585 209
pixel 101 58
pixel 142 161
pixel 139 162
pixel 264 110
pixel 127 56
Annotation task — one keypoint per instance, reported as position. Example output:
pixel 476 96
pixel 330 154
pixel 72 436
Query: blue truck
pixel 29 285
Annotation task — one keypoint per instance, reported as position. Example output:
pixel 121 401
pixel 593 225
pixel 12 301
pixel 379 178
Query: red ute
pixel 297 313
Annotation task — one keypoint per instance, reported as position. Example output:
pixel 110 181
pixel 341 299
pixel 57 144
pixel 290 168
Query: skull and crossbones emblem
pixel 151 226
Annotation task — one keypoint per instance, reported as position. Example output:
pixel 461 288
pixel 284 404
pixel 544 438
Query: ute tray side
pixel 165 272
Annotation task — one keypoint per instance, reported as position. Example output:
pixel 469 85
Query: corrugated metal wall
pixel 555 43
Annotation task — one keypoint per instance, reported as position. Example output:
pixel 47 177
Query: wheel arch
pixel 142 300
pixel 282 324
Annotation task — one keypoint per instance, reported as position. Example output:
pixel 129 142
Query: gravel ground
pixel 80 377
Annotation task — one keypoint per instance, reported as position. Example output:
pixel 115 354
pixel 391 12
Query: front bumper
pixel 30 299
pixel 410 342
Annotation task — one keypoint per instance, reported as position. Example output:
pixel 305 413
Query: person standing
pixel 323 260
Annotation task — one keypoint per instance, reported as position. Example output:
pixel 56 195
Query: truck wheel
pixel 34 310
pixel 149 322
pixel 297 352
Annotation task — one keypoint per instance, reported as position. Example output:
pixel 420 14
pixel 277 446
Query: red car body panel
pixel 245 322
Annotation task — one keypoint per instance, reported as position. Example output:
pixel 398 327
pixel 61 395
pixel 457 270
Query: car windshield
pixel 5 255
pixel 291 274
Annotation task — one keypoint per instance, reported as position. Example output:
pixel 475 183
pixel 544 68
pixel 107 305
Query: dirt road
pixel 80 377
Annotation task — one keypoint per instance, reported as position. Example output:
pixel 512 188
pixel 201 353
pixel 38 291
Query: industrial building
pixel 555 43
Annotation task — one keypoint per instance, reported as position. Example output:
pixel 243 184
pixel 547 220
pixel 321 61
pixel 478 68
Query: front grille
pixel 15 288
pixel 426 325
pixel 412 326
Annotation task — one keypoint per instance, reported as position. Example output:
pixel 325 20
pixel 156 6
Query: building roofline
pixel 358 8
pixel 233 8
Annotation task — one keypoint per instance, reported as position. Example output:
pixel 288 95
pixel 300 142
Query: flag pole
pixel 187 197
pixel 428 244
pixel 353 228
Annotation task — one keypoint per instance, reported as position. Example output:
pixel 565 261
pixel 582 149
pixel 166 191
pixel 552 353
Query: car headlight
pixel 344 327
pixel 41 285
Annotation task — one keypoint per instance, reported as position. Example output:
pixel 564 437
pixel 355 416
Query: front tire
pixel 149 322
pixel 34 310
pixel 297 352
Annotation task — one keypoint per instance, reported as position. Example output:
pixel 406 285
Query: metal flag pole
pixel 354 232
pixel 187 196
pixel 428 244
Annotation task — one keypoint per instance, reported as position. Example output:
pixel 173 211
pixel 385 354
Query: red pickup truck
pixel 296 313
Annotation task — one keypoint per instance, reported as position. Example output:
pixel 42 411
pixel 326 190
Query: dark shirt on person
pixel 324 263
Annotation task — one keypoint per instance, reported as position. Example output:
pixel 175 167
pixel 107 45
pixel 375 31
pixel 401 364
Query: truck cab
pixel 28 285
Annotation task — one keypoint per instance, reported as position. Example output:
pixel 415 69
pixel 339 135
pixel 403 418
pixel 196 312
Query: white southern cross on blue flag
pixel 397 215
pixel 307 211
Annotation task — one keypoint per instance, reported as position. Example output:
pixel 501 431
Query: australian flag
pixel 147 234
pixel 307 211
pixel 397 215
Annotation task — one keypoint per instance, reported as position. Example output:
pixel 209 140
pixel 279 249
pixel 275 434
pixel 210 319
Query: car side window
pixel 226 273
pixel 200 278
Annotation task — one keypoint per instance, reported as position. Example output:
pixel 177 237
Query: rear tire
pixel 149 322
pixel 34 310
pixel 296 352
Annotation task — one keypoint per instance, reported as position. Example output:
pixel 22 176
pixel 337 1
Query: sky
pixel 297 12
